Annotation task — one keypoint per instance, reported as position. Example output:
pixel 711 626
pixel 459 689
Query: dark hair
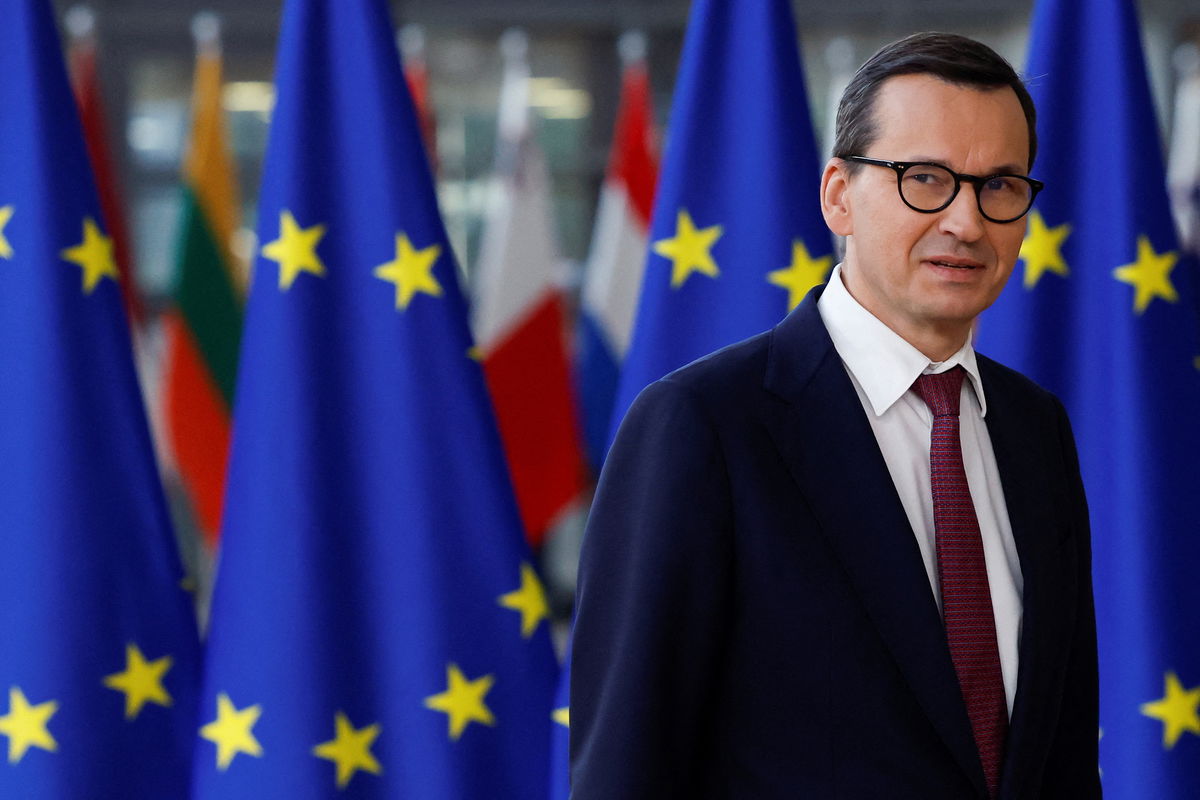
pixel 950 57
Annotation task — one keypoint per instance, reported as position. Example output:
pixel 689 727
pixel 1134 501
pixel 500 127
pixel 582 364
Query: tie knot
pixel 941 391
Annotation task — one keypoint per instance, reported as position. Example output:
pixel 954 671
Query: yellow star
pixel 6 250
pixel 350 750
pixel 295 250
pixel 230 731
pixel 94 255
pixel 1150 275
pixel 141 681
pixel 462 701
pixel 689 249
pixel 802 274
pixel 529 599
pixel 411 271
pixel 1042 249
pixel 562 716
pixel 25 725
pixel 1178 711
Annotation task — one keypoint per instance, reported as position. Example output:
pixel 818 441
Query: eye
pixel 1006 184
pixel 927 175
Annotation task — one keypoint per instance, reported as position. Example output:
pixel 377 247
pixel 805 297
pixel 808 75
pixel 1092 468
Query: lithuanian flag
pixel 204 326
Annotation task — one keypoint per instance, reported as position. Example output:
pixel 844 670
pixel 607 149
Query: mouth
pixel 955 263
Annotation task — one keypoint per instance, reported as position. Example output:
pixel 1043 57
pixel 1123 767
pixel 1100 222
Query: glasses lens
pixel 1005 197
pixel 927 187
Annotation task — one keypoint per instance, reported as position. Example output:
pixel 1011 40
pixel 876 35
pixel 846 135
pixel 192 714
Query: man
pixel 850 557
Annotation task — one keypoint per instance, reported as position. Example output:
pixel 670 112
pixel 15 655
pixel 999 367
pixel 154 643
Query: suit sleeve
pixel 1072 769
pixel 652 605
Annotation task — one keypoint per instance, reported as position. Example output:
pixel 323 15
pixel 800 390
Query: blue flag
pixel 99 661
pixel 376 624
pixel 737 237
pixel 560 741
pixel 1100 312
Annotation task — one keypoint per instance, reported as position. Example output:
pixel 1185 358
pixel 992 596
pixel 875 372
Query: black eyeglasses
pixel 929 188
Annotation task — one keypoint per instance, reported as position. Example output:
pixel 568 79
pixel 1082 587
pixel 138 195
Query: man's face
pixel 930 275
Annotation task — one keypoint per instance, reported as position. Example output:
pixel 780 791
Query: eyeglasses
pixel 929 188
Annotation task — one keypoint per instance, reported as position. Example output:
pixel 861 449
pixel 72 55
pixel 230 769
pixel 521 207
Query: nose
pixel 962 218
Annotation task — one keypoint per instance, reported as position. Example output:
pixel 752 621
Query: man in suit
pixel 849 557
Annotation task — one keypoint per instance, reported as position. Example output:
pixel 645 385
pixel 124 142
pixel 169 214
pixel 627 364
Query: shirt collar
pixel 883 363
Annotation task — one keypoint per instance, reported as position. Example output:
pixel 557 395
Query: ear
pixel 835 198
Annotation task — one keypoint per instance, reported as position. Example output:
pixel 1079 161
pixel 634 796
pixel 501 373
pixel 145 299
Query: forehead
pixel 924 117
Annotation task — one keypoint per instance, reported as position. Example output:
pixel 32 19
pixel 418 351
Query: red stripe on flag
pixel 529 379
pixel 633 159
pixel 417 78
pixel 198 426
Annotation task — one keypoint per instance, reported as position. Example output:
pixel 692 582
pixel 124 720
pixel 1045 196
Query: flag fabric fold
pixel 203 327
pixel 99 667
pixel 1183 163
pixel 376 624
pixel 520 315
pixel 85 82
pixel 613 278
pixel 1099 311
pixel 560 738
pixel 737 236
pixel 411 41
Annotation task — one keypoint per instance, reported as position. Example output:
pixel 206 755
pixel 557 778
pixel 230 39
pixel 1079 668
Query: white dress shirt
pixel 883 367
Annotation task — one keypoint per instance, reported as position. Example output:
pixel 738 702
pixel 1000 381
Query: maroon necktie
pixel 962 575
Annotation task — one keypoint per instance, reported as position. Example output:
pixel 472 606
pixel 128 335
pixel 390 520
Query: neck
pixel 936 345
pixel 937 340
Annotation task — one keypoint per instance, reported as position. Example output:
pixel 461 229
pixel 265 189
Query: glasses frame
pixel 900 167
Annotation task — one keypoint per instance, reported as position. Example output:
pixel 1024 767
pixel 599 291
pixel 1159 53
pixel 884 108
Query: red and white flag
pixel 520 312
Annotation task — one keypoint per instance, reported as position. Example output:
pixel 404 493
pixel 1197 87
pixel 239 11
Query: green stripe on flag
pixel 207 299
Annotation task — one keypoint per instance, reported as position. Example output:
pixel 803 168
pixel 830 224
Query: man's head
pixel 948 101
pixel 953 58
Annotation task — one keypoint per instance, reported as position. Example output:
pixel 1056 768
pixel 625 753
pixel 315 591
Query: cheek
pixel 1007 243
pixel 894 235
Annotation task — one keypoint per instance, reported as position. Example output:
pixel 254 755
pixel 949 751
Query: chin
pixel 954 314
pixel 961 305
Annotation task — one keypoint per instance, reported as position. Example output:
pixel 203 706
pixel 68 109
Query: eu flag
pixel 1100 312
pixel 99 662
pixel 737 237
pixel 560 738
pixel 376 625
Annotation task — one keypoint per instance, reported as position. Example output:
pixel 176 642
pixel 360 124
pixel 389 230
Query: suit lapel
pixel 826 439
pixel 1022 461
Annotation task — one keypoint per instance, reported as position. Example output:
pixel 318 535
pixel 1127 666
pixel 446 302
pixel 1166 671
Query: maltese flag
pixel 520 316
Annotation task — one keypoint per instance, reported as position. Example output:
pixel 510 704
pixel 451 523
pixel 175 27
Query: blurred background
pixel 145 56
pixel 544 124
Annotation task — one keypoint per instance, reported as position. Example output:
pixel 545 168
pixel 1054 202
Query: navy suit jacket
pixel 755 620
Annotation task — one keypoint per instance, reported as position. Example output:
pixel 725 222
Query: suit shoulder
pixel 1012 385
pixel 738 366
pixel 711 390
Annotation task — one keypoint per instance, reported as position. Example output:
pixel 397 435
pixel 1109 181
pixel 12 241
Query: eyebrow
pixel 1003 169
